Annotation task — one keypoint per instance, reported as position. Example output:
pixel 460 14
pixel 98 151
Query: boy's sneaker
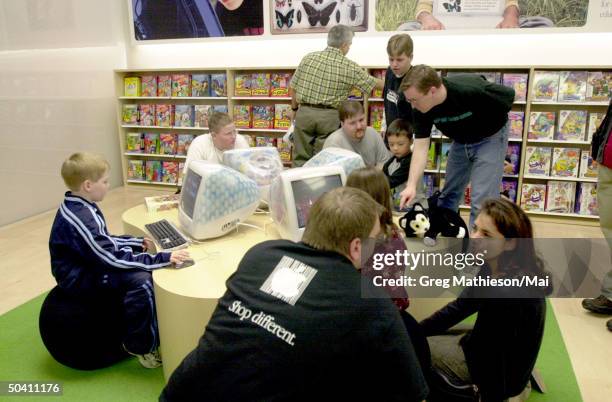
pixel 600 305
pixel 148 360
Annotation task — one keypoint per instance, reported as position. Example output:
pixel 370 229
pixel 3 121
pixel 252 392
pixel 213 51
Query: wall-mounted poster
pixel 181 19
pixel 414 15
pixel 308 16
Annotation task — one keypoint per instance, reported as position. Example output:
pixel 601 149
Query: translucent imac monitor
pixel 214 198
pixel 262 164
pixel 349 160
pixel 294 192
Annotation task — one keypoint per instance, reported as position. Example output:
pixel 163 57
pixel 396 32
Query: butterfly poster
pixel 308 16
pixel 468 7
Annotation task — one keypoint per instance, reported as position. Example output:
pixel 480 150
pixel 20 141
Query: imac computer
pixel 214 199
pixel 262 164
pixel 293 193
pixel 332 156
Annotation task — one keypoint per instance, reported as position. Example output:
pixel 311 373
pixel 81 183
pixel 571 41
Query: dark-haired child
pixel 371 180
pixel 396 169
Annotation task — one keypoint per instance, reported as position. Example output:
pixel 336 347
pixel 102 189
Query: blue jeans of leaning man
pixel 482 164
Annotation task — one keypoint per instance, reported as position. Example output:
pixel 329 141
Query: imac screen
pixel 190 192
pixel 307 191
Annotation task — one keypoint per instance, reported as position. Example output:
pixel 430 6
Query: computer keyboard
pixel 166 236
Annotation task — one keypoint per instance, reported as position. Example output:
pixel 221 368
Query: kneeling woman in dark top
pixel 499 353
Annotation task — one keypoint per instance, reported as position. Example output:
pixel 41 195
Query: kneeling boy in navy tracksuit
pixel 87 260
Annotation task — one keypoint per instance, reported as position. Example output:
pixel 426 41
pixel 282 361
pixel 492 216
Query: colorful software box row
pixel 158 143
pixel 507 189
pixel 376 116
pixel 518 81
pixel 561 197
pixel 176 85
pixel 154 171
pixel 167 115
pixel 573 125
pixel 559 162
pixel 380 74
pixel 516 119
pixel 284 147
pixel 435 158
pixel 262 84
pixel 262 116
pixel 572 86
pixel 355 94
pixel 515 130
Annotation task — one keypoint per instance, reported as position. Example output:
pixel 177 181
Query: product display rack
pixel 526 106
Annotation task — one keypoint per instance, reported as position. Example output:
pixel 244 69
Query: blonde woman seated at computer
pixel 222 137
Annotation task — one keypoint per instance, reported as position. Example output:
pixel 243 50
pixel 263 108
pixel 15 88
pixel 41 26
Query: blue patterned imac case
pixel 337 156
pixel 262 164
pixel 224 191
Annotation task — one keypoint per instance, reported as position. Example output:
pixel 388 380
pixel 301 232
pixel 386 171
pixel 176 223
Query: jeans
pixel 482 163
pixel 604 201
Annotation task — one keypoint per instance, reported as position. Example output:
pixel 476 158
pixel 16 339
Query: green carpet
pixel 23 357
pixel 555 365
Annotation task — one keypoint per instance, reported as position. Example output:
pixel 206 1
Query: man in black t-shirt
pixel 293 325
pixel 399 50
pixel 474 114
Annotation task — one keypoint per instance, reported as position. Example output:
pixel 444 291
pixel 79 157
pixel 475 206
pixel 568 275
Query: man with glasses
pixel 293 324
pixel 474 114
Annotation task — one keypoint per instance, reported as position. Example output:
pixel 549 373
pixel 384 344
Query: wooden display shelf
pixel 572 103
pixel 560 142
pixel 527 106
pixel 155 155
pixel 268 98
pixel 163 128
pixel 555 178
pixel 265 130
pixel 151 183
pixel 560 214
pixel 174 97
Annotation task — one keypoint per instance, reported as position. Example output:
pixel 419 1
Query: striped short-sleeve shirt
pixel 326 78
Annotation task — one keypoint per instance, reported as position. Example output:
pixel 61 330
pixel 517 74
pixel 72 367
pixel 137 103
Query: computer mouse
pixel 186 263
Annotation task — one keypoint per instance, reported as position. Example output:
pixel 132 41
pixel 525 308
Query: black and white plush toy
pixel 415 222
pixel 443 222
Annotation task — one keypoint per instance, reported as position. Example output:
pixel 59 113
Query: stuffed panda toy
pixel 444 222
pixel 415 222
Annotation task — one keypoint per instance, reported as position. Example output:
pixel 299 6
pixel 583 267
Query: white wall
pixel 56 95
pixel 435 48
pixel 526 47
